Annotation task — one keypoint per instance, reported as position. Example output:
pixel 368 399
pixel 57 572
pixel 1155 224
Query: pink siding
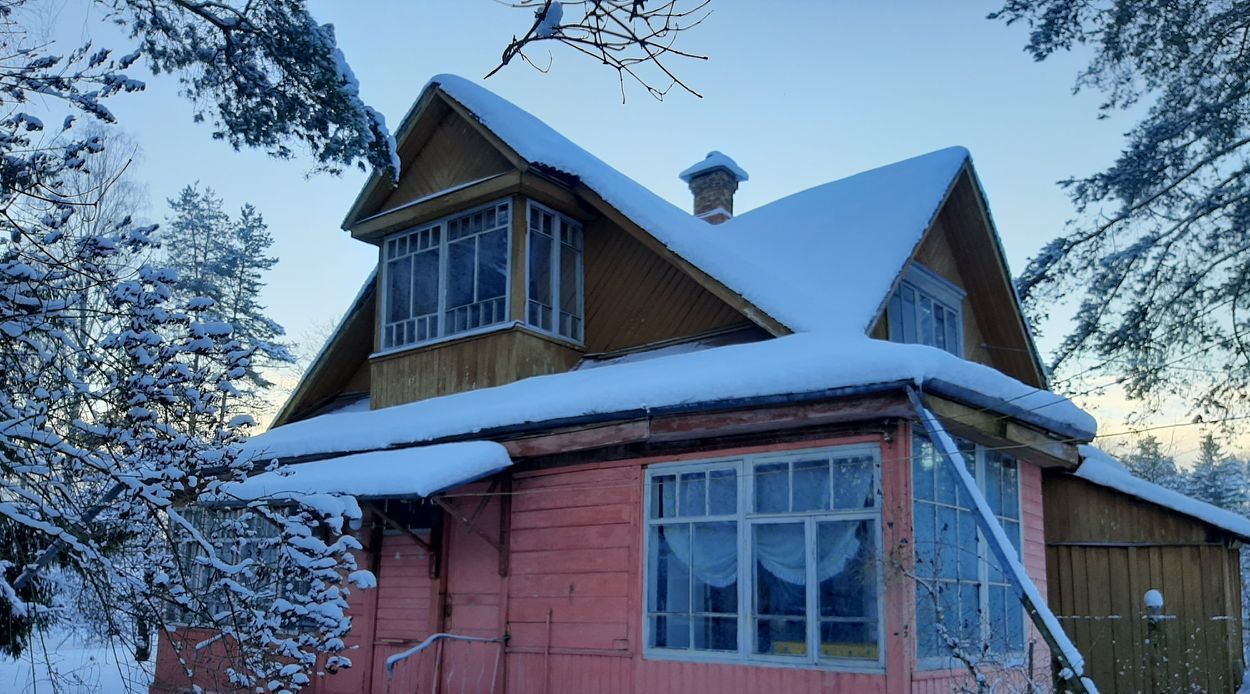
pixel 572 599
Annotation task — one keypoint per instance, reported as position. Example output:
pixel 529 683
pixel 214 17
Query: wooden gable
pixel 962 248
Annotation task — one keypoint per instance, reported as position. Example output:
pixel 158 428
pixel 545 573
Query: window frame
pixel 1009 658
pixel 950 296
pixel 556 276
pixel 746 518
pixel 442 285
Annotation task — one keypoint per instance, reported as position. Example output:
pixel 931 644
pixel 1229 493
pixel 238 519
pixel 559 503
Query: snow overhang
pixel 395 473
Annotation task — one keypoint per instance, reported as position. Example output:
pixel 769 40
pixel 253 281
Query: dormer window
pixel 453 276
pixel 448 277
pixel 554 301
pixel 927 310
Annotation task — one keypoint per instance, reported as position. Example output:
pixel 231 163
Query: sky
pixel 797 92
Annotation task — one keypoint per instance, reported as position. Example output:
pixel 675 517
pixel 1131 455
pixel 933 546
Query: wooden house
pixel 1111 539
pixel 609 445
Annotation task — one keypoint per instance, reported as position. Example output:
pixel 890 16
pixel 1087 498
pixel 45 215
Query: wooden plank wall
pixel 454 154
pixel 480 361
pixel 1104 551
pixel 635 297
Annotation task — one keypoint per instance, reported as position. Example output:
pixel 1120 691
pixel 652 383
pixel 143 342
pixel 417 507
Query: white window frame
pixel 925 282
pixel 556 276
pixel 746 517
pixel 1008 658
pixel 443 260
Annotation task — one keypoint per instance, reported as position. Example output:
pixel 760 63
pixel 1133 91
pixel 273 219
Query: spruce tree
pixel 1150 463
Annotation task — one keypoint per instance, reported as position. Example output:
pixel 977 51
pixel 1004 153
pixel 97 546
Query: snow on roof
pixel 713 161
pixel 420 471
pixel 822 259
pixel 1105 471
pixel 804 363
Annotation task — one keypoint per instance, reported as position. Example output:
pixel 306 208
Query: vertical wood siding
pixel 1105 550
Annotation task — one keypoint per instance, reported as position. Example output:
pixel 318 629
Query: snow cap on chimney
pixel 713 182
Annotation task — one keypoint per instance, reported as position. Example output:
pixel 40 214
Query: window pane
pixel 1015 624
pixel 909 314
pixel 425 283
pixel 969 614
pixel 924 320
pixel 715 566
pixel 993 485
pixel 669 568
pixel 853 484
pixel 924 462
pixel 780 559
pixel 1011 486
pixel 540 269
pixel 846 567
pixel 492 265
pixel 570 280
pixel 716 633
pixel 998 619
pixel 925 518
pixel 663 496
pixel 398 289
pixel 460 268
pixel 772 488
pixel 811 485
pixel 967 546
pixel 945 547
pixel 781 636
pixel 722 492
pixel 670 631
pixel 693 494
pixel 926 622
pixel 848 640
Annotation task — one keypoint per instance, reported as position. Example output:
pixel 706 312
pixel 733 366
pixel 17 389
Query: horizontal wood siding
pixel 481 361
pixel 1105 550
pixel 635 297
pixel 935 254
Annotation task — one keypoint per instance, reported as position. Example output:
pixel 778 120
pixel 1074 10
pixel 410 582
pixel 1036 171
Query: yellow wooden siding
pixel 453 155
pixel 634 297
pixel 480 361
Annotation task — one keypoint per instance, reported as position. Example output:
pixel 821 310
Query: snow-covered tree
pixel 225 259
pixel 1218 478
pixel 1150 462
pixel 1160 254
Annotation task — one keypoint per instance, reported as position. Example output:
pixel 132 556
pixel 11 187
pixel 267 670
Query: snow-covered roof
pixel 822 259
pixel 1105 471
pixel 713 161
pixel 809 364
pixel 418 471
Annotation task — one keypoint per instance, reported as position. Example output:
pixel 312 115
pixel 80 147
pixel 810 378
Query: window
pixel 960 588
pixel 447 277
pixel 256 539
pixel 926 310
pixel 768 558
pixel 554 292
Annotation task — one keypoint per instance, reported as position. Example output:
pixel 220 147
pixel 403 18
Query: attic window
pixel 447 277
pixel 554 286
pixel 927 310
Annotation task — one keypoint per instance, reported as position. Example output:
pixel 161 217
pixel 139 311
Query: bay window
pixel 961 591
pixel 453 276
pixel 767 558
pixel 447 277
pixel 554 289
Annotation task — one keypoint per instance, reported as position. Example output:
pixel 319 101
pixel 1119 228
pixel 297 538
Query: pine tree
pixel 1150 463
pixel 224 260
pixel 1217 478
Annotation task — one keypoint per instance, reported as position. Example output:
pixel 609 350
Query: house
pixel 1111 539
pixel 609 445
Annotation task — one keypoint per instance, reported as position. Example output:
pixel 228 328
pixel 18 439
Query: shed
pixel 1110 538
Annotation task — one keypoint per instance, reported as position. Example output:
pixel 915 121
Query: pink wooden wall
pixel 572 599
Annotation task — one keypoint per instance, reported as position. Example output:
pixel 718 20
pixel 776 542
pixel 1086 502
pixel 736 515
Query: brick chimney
pixel 713 182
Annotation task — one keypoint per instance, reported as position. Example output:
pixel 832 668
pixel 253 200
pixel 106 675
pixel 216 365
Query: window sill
pixel 476 333
pixel 830 666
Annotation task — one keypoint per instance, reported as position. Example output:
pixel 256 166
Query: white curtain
pixel 712 553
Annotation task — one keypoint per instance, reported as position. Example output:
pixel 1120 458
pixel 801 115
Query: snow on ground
pixel 67 663
pixel 805 363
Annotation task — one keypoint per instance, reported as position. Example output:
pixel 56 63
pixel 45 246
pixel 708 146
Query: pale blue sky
pixel 799 93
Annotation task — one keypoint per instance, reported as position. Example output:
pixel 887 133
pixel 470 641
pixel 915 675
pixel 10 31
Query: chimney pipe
pixel 713 182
